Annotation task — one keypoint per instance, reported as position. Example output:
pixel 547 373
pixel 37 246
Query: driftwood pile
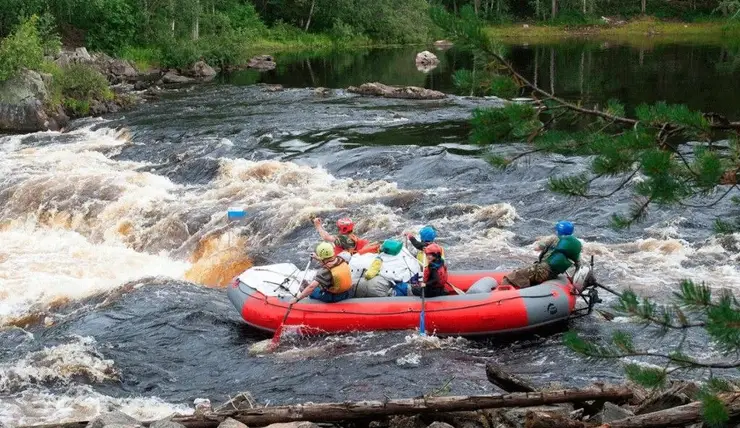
pixel 520 406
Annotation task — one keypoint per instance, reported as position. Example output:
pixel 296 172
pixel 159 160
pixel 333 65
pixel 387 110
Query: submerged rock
pixel 262 63
pixel 407 92
pixel 172 77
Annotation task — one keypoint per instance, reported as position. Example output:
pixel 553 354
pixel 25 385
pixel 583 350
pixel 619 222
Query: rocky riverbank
pixel 28 101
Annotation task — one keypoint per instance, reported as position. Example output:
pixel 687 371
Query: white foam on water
pixel 78 403
pixel 41 267
pixel 58 364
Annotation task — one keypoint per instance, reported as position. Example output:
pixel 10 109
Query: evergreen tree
pixel 650 145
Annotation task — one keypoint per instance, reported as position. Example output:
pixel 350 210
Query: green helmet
pixel 391 246
pixel 324 251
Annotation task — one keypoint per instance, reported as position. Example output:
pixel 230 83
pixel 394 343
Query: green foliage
pixel 649 377
pixel 713 411
pixel 498 125
pixel 83 84
pixel 111 24
pixel 22 49
pixel 143 58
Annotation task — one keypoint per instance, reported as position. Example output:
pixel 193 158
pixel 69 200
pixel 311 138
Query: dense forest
pixel 114 25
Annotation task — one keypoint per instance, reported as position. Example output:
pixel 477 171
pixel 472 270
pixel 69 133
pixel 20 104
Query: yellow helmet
pixel 324 251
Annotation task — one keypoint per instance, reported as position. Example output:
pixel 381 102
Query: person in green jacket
pixel 557 256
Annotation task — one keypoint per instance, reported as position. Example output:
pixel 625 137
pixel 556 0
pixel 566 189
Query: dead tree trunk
pixel 506 381
pixel 346 411
pixel 331 412
pixel 677 416
pixel 310 15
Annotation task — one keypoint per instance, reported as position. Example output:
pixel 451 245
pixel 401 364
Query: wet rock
pixel 116 418
pixel 299 424
pixel 140 85
pixel 273 88
pixel 323 92
pixel 98 108
pixel 443 44
pixel 22 103
pixel 426 61
pixel 516 417
pixel 262 63
pixel 406 422
pixel 173 77
pixel 77 56
pixel 440 425
pixel 201 70
pixel 166 423
pixel 611 413
pixel 231 423
pixel 122 69
pixel 406 92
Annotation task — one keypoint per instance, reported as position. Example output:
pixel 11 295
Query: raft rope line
pixel 478 305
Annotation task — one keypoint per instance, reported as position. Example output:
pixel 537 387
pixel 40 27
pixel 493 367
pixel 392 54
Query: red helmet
pixel 345 225
pixel 433 249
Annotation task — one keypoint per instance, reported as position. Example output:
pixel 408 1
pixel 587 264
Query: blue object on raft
pixel 236 213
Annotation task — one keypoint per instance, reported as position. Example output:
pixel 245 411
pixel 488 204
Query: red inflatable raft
pixel 262 296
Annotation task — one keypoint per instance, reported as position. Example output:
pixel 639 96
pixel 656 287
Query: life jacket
pixel 422 258
pixel 341 277
pixel 441 273
pixel 369 247
pixel 566 251
pixel 342 243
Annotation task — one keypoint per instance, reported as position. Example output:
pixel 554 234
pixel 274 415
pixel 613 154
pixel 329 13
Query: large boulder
pixel 262 63
pixel 115 70
pixel 231 423
pixel 426 61
pixel 166 423
pixel 172 77
pixel 77 56
pixel 201 70
pixel 22 105
pixel 408 92
pixel 116 418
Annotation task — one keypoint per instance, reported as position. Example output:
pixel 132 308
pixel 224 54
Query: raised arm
pixel 326 236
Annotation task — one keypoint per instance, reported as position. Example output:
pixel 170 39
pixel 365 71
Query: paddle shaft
pixel 279 331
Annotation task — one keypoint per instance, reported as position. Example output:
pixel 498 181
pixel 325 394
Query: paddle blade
pixel 275 342
pixel 422 327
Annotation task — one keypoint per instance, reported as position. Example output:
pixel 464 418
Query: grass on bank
pixel 642 31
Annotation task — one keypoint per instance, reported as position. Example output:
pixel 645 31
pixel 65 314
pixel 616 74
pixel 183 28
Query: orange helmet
pixel 345 225
pixel 433 249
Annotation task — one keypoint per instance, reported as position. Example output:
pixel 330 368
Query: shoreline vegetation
pixel 639 31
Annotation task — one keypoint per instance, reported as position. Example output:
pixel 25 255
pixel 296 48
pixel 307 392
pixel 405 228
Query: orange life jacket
pixel 341 277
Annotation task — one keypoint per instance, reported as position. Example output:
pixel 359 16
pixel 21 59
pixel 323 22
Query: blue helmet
pixel 427 234
pixel 564 228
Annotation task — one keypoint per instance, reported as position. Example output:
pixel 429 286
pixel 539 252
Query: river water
pixel 116 247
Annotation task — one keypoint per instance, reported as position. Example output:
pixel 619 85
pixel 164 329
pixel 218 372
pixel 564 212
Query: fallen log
pixel 345 411
pixel 508 382
pixel 333 412
pixel 677 416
